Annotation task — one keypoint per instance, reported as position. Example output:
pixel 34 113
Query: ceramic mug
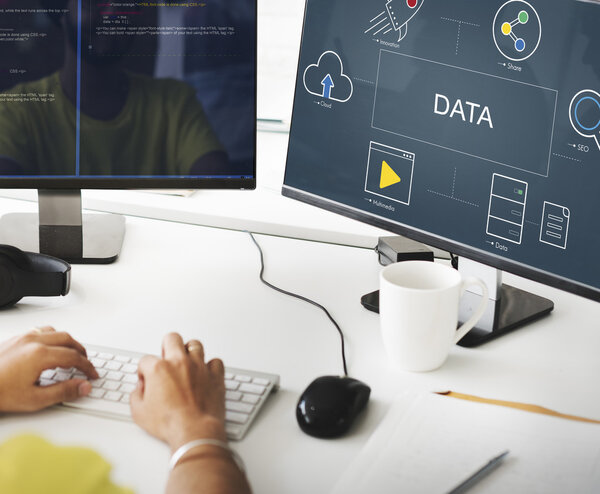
pixel 418 307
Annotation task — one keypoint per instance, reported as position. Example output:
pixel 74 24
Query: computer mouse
pixel 329 405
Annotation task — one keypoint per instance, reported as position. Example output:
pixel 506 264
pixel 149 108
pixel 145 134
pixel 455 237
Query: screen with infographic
pixel 471 125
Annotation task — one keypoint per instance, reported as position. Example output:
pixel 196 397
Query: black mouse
pixel 329 405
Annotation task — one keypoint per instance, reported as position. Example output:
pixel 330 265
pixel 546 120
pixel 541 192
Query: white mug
pixel 418 307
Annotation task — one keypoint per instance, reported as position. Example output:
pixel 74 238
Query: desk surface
pixel 175 277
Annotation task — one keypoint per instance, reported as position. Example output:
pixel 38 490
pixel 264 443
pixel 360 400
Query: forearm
pixel 209 470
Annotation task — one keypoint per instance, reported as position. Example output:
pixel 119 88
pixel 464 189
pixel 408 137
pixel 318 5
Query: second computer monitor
pixel 471 126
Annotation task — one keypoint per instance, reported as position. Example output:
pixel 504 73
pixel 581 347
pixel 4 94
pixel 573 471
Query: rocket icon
pixel 400 12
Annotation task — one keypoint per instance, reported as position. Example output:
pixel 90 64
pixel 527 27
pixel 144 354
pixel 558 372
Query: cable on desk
pixel 300 297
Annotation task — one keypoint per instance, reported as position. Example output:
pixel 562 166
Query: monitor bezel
pixel 177 182
pixel 443 243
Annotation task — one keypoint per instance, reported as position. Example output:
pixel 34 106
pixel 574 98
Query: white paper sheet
pixel 429 444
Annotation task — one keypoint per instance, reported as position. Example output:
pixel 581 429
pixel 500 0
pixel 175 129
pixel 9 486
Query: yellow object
pixel 31 465
pixel 388 176
pixel 506 29
pixel 520 406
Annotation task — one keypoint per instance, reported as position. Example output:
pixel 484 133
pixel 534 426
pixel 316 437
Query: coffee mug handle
pixel 474 319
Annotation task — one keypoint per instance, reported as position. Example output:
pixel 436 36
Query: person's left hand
pixel 22 360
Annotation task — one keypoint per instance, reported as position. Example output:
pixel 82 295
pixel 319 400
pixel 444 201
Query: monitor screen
pixel 471 126
pixel 127 94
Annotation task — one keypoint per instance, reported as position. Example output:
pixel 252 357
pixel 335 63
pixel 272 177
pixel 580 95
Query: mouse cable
pixel 300 297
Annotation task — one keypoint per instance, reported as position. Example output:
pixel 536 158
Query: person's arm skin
pixel 180 398
pixel 22 360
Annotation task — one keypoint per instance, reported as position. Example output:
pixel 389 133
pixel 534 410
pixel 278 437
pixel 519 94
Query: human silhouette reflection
pixel 130 124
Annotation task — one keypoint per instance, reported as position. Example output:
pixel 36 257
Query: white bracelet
pixel 182 450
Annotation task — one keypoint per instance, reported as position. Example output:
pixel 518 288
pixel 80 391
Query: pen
pixel 479 474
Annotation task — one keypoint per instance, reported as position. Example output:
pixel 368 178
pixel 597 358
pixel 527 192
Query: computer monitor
pixel 473 127
pixel 97 95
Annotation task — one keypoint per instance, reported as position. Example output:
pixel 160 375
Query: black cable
pixel 454 260
pixel 300 297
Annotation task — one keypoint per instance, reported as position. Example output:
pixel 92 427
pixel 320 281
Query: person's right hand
pixel 22 360
pixel 179 397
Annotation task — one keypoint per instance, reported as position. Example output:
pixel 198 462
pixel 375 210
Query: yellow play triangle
pixel 388 176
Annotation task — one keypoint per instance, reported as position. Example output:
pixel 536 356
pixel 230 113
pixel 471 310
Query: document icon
pixel 555 225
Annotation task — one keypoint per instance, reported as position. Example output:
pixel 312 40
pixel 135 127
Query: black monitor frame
pixel 66 240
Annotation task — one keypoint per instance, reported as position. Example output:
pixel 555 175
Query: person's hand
pixel 22 360
pixel 179 397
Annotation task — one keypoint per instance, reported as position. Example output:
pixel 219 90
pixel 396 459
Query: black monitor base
pixel 515 309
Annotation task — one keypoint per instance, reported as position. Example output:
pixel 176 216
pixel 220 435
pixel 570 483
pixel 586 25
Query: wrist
pixel 196 428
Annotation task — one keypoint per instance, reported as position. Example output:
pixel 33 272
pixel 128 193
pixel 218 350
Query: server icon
pixel 506 214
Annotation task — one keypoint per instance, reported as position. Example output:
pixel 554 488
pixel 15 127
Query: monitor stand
pixel 62 230
pixel 509 308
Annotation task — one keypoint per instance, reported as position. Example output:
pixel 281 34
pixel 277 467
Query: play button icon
pixel 388 176
pixel 389 172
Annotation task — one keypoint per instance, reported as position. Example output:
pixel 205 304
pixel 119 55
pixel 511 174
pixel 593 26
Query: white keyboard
pixel 246 391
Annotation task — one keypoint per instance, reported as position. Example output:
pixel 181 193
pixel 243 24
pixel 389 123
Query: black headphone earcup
pixel 7 296
pixel 17 256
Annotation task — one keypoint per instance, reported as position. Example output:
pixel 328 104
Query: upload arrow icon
pixel 389 173
pixel 388 176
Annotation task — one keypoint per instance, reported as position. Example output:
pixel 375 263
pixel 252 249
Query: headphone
pixel 26 274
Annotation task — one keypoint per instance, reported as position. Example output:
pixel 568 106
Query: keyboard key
pixel 111 385
pixel 129 368
pixel 91 353
pixel 62 376
pixel 260 381
pixel 127 388
pixel 101 372
pixel 47 374
pixel 130 378
pixel 233 430
pixel 229 376
pixel 252 388
pixel 125 399
pixel 113 365
pixel 233 395
pixel 114 375
pixel 46 382
pixel 106 356
pixel 252 399
pixel 97 383
pixel 123 359
pixel 78 375
pixel 236 406
pixel 232 385
pixel 113 396
pixel 238 418
pixel 243 379
pixel 97 363
pixel 96 393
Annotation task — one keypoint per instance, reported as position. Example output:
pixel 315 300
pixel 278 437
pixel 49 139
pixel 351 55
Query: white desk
pixel 203 282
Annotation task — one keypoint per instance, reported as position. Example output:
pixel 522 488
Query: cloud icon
pixel 326 78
